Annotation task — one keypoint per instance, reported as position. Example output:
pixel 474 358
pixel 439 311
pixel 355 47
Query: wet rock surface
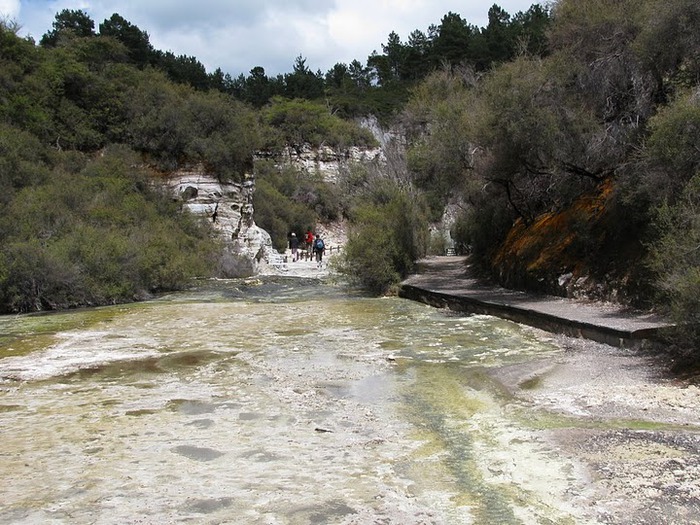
pixel 646 468
pixel 279 400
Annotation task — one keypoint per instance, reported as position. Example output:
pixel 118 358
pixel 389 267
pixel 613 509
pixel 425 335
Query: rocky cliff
pixel 229 207
pixel 324 160
pixel 577 252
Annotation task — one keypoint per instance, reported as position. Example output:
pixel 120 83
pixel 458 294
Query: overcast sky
pixel 238 35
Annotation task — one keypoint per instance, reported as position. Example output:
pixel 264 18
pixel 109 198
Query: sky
pixel 237 35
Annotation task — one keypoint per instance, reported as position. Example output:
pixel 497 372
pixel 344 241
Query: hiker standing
pixel 294 246
pixel 309 240
pixel 319 248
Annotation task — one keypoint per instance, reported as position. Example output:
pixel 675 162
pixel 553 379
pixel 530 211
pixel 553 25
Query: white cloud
pixel 9 8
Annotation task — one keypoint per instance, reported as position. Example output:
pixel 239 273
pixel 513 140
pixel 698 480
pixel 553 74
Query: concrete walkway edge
pixel 444 282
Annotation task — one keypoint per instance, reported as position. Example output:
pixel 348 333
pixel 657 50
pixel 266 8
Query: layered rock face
pixel 326 161
pixel 229 207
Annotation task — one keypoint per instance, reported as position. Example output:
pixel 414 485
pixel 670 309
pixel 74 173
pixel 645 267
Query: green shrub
pixel 675 258
pixel 438 244
pixel 672 147
pixel 23 161
pixel 174 124
pixel 388 234
pixel 301 122
pixel 98 235
pixel 36 279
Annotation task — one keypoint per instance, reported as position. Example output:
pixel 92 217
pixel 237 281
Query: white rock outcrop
pixel 324 160
pixel 229 207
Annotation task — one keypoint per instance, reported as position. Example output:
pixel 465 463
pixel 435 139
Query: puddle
pixel 198 453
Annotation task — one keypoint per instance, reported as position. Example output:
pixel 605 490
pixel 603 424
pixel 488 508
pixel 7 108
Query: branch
pixel 508 185
pixel 536 170
pixel 598 176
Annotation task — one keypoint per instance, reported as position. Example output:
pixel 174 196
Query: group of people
pixel 314 245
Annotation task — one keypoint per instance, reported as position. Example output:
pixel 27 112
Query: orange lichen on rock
pixel 552 243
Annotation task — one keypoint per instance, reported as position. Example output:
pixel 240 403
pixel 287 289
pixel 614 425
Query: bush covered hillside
pixel 88 123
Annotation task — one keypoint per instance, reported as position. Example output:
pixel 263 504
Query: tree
pixel 18 59
pixel 136 41
pixel 395 53
pixel 453 40
pixel 68 94
pixel 183 69
pixel 388 232
pixel 597 37
pixel 289 200
pixel 218 81
pixel 380 69
pixel 302 82
pixel 347 89
pixel 338 76
pixel 440 155
pixel 360 75
pixel 530 31
pixel 496 39
pixel 257 88
pixel 69 22
pixel 417 60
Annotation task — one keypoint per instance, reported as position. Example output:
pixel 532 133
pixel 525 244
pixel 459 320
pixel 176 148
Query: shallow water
pixel 271 401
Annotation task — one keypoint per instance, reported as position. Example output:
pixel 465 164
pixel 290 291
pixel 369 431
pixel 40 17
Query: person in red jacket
pixel 309 240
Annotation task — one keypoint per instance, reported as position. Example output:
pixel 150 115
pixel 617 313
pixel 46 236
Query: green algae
pixel 20 345
pixel 531 384
pixel 527 417
pixel 441 403
pixel 26 333
pixel 140 412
